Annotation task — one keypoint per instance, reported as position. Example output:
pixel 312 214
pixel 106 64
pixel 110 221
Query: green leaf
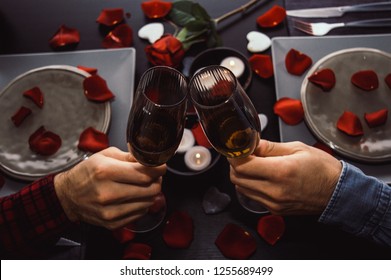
pixel 196 25
pixel 181 12
pixel 199 12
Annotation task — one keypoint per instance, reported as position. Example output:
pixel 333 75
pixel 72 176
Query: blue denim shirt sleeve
pixel 360 205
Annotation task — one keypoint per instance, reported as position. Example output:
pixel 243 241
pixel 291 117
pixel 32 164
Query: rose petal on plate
pixel 200 136
pixel 178 231
pixel 19 116
pixel 296 62
pixel 365 79
pixel 262 65
pixel 137 251
pixel 215 201
pixel 96 89
pixel 120 37
pixel 324 78
pixel 387 79
pixel 111 17
pixel 289 110
pixel 271 228
pixel 65 36
pixel 272 17
pixel 376 118
pixel 93 140
pixel 123 235
pixel 35 94
pixel 44 142
pixel 156 8
pixel 235 243
pixel 90 70
pixel 350 124
pixel 324 147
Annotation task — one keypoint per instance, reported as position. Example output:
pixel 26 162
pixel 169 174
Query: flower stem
pixel 241 9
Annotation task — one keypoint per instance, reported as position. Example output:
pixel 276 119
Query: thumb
pixel 270 149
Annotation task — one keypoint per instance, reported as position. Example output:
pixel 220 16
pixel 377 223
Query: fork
pixel 322 28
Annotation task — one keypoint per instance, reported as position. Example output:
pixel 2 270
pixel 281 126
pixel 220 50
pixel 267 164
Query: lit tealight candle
pixel 234 64
pixel 198 158
pixel 187 141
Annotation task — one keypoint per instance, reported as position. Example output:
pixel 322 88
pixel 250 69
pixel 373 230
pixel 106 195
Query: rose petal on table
pixel 137 251
pixel 19 116
pixel 324 147
pixel 376 118
pixel 178 231
pixel 366 80
pixel 289 110
pixel 200 136
pixel 235 243
pixel 156 8
pixel 387 79
pixel 324 78
pixel 96 89
pixel 271 228
pixel 262 65
pixel 90 70
pixel 93 140
pixel 65 36
pixel 44 142
pixel 272 17
pixel 296 62
pixel 123 235
pixel 215 201
pixel 35 94
pixel 111 17
pixel 167 51
pixel 350 124
pixel 120 37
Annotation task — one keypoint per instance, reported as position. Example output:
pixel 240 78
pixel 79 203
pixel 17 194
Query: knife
pixel 339 11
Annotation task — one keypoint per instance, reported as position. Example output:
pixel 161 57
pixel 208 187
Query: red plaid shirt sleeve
pixel 31 216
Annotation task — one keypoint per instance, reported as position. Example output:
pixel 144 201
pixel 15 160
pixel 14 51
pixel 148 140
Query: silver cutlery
pixel 339 11
pixel 322 28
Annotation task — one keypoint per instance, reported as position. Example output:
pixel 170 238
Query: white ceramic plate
pixel 323 109
pixel 288 85
pixel 66 112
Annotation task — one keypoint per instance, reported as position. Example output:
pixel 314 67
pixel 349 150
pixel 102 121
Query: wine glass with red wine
pixel 227 116
pixel 155 128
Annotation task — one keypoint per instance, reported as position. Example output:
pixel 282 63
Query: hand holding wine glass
pixel 155 128
pixel 227 116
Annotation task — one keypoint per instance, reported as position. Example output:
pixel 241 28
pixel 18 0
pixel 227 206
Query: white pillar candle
pixel 198 158
pixel 234 64
pixel 187 141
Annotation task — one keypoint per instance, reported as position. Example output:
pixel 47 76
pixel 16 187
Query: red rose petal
pixel 236 243
pixel 89 70
pixel 296 62
pixel 156 8
pixel 92 140
pixel 44 142
pixel 111 17
pixel 36 95
pixel 262 65
pixel 123 235
pixel 387 79
pixel 65 36
pixel 167 51
pixel 271 228
pixel 366 80
pixel 324 78
pixel 20 115
pixel 349 123
pixel 324 148
pixel 272 17
pixel 137 251
pixel 178 231
pixel 96 89
pixel 376 118
pixel 200 136
pixel 120 37
pixel 289 110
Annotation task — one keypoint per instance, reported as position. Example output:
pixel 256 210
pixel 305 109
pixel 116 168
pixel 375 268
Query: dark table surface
pixel 26 27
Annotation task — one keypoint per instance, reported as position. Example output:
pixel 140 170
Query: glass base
pixel 146 223
pixel 251 205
